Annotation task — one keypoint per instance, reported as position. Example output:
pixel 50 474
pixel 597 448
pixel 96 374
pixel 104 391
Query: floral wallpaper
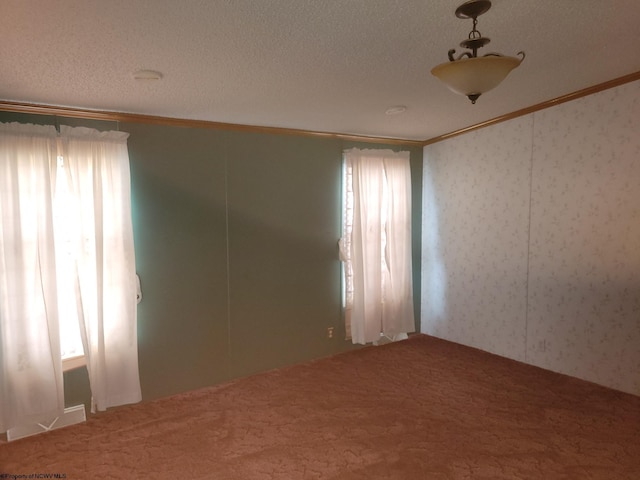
pixel 478 187
pixel 531 238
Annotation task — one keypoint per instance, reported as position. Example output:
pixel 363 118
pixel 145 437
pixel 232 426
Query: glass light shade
pixel 474 76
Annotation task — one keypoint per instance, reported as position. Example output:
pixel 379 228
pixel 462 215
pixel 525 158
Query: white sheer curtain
pixel 376 246
pixel 31 387
pixel 97 168
pixel 103 262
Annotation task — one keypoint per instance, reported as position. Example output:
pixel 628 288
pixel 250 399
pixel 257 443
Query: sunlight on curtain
pixel 65 231
pixel 376 245
pixel 97 168
pixel 67 264
pixel 31 387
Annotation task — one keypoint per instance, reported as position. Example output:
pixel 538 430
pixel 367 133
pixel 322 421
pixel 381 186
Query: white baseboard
pixel 71 416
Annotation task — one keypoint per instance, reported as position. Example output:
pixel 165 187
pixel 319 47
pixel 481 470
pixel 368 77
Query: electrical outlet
pixel 329 332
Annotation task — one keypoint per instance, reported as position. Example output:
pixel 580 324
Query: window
pixel 67 270
pixel 376 244
pixel 65 229
pixel 345 241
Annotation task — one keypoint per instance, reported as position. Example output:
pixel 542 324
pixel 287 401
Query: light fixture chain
pixel 475 33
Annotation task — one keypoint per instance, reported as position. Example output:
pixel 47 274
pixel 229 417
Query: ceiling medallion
pixel 470 75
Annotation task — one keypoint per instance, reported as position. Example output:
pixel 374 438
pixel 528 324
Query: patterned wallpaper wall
pixel 531 238
pixel 477 186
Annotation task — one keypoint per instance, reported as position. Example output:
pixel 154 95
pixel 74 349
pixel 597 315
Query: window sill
pixel 73 363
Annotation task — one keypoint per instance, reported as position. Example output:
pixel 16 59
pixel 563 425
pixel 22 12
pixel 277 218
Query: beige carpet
pixel 419 409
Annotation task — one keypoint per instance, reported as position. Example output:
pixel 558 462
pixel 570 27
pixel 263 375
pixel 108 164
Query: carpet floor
pixel 422 408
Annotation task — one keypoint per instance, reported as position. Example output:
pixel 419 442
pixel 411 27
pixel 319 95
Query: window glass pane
pixel 347 228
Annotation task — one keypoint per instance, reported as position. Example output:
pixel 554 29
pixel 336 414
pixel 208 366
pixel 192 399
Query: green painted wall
pixel 236 247
pixel 179 215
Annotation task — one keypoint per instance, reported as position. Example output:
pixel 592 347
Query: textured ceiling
pixel 319 65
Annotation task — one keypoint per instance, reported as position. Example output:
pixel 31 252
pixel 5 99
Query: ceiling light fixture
pixel 469 74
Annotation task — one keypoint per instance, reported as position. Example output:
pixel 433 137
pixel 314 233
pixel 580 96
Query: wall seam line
pixel 526 309
pixel 228 252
